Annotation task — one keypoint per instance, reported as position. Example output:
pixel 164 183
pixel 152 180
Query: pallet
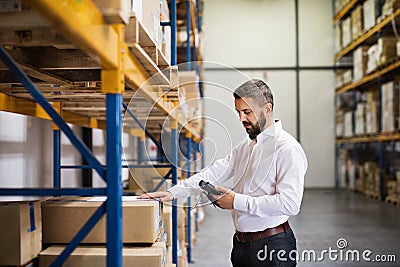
pixel 393 200
pixel 30 32
pixel 372 195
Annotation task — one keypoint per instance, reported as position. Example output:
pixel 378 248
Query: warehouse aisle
pixel 326 216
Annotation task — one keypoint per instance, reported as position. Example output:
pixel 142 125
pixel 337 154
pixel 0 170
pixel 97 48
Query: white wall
pixel 26 154
pixel 261 33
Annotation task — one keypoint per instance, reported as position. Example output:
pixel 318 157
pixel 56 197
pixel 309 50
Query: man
pixel 268 171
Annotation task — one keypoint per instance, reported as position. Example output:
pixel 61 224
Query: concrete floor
pixel 325 217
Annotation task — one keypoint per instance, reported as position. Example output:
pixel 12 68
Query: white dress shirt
pixel 268 175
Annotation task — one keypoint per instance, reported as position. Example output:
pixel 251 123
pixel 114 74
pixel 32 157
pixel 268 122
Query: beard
pixel 255 129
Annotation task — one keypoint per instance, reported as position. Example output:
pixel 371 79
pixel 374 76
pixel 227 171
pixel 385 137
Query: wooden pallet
pixel 372 195
pixel 393 200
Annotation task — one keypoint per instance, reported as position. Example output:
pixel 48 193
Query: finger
pixel 221 189
pixel 147 196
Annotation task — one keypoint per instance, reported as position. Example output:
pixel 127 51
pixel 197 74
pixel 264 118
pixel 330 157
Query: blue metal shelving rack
pixel 83 24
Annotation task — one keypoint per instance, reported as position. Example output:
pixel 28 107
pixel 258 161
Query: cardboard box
pixel 360 119
pixel 143 179
pixel 386 49
pixel 360 62
pixel 115 11
pixel 357 22
pixel 142 220
pixel 149 256
pixel 167 220
pixel 348 124
pixel 20 232
pixel 151 18
pixel 346 32
pixel 372 58
pixel 338 38
pixel 369 14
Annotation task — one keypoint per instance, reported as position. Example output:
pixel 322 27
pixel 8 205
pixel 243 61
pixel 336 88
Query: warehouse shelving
pixel 77 37
pixel 379 144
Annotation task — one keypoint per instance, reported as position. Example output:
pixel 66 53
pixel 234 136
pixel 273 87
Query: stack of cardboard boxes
pixel 63 217
pixel 371 112
pixel 360 60
pixel 393 188
pixel 20 233
pixel 390 105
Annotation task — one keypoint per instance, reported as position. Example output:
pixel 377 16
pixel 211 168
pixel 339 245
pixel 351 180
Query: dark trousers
pixel 270 251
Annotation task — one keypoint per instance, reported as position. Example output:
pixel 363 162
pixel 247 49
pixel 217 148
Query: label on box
pixel 10 5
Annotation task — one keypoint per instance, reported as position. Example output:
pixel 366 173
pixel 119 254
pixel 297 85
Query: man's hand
pixel 163 196
pixel 225 201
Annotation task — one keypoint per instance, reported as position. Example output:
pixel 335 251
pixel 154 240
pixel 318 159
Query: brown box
pixel 149 256
pixel 151 18
pixel 62 219
pixel 144 179
pixel 356 22
pixel 20 232
pixel 167 220
pixel 115 11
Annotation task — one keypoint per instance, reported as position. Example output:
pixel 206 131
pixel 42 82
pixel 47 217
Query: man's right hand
pixel 163 196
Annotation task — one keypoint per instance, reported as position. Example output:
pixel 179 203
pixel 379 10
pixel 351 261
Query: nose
pixel 242 117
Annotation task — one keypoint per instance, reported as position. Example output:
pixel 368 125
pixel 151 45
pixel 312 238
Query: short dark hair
pixel 257 90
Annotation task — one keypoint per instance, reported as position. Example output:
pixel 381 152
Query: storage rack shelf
pixel 370 35
pixel 370 77
pixel 344 11
pixel 377 149
pixel 98 70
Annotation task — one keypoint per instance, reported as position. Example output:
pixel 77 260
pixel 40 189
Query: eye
pixel 247 111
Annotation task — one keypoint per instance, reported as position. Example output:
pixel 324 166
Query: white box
pixel 346 32
pixel 369 14
pixel 348 124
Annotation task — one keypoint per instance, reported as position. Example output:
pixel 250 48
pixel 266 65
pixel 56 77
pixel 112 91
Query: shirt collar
pixel 271 131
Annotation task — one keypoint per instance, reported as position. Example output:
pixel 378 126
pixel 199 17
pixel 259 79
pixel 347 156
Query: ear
pixel 268 108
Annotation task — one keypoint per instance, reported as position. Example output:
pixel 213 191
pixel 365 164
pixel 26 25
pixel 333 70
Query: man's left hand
pixel 225 201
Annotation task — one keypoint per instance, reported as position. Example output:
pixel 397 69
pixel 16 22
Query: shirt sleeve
pixel 291 164
pixel 220 171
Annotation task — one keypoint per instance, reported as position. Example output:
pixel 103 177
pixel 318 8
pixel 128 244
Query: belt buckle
pixel 238 238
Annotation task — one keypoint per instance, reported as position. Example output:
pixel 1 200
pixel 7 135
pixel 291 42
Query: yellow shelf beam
pixel 31 108
pixel 83 24
pixel 344 11
pixel 367 35
pixel 369 78
pixel 369 139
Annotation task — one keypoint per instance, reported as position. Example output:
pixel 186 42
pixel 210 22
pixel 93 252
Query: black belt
pixel 252 236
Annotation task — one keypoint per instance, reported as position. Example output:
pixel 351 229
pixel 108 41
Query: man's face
pixel 251 115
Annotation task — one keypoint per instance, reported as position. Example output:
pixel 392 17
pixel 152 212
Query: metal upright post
pixel 113 84
pixel 114 184
pixel 188 43
pixel 173 32
pixel 189 215
pixel 174 136
pixel 195 171
pixel 56 151
pixel 141 145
